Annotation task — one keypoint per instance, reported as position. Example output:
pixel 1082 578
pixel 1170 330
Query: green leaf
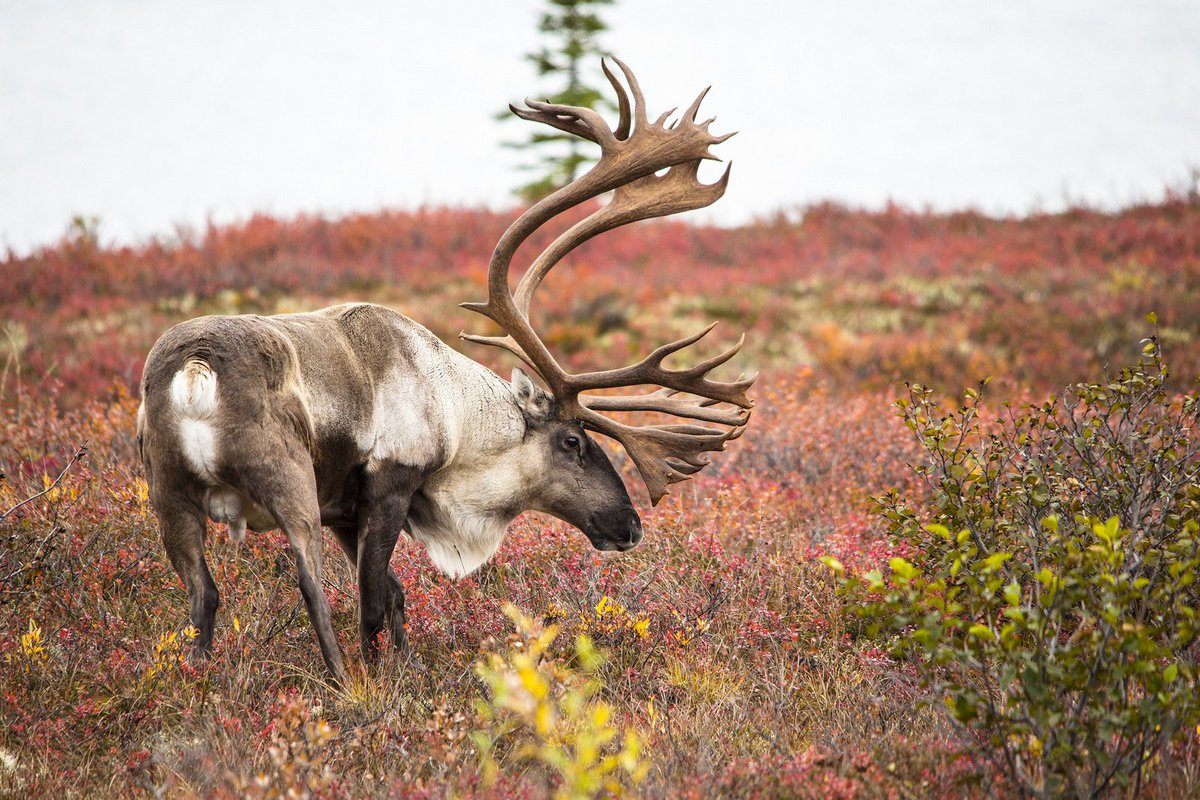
pixel 903 568
pixel 963 709
pixel 1012 594
pixel 874 578
pixel 995 561
pixel 981 632
pixel 1015 614
pixel 940 531
pixel 1171 673
pixel 833 564
pixel 1108 530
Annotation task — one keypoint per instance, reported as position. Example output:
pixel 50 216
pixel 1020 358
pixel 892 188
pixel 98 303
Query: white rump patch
pixel 194 395
pixel 194 390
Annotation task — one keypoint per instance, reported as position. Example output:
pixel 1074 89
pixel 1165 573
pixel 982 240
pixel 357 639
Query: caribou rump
pixel 358 419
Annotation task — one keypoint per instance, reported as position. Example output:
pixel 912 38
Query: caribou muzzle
pixel 620 531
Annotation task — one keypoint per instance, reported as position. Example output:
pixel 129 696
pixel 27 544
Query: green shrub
pixel 1050 594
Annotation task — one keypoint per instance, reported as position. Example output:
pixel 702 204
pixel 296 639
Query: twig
pixel 79 455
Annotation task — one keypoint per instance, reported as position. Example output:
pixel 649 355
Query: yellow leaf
pixel 533 682
pixel 601 715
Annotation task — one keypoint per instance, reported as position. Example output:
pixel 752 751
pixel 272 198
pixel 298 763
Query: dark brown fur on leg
pixel 386 493
pixel 182 529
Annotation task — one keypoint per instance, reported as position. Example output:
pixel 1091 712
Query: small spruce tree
pixel 572 28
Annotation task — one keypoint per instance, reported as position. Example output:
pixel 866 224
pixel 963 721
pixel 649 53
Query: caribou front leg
pixel 387 492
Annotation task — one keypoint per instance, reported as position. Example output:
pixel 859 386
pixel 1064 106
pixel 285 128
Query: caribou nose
pixel 635 530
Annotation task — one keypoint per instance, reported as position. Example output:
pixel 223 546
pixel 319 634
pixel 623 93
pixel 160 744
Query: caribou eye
pixel 571 443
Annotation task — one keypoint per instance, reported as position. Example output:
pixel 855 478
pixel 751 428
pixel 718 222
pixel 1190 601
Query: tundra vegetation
pixel 982 595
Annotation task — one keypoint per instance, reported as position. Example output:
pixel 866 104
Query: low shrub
pixel 542 711
pixel 1050 598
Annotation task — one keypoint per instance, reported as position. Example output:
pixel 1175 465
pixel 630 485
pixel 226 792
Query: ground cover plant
pixel 719 658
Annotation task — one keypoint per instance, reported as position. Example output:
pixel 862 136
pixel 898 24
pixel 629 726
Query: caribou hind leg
pixel 288 491
pixel 304 534
pixel 182 530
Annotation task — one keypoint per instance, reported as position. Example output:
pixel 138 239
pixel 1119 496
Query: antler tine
pixel 694 108
pixel 701 410
pixel 648 367
pixel 650 371
pixel 623 123
pixel 505 342
pixel 630 156
pixel 582 122
pixel 663 454
pixel 639 102
pixel 705 367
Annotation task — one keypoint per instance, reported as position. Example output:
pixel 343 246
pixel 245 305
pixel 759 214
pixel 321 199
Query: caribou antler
pixel 630 155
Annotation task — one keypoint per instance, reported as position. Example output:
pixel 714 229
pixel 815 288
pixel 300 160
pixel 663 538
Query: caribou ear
pixel 533 401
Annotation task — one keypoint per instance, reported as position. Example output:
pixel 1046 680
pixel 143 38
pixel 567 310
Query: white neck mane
pixel 464 545
pixel 463 510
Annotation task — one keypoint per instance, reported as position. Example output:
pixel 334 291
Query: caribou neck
pixel 464 508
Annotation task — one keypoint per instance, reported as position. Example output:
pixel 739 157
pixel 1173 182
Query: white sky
pixel 152 113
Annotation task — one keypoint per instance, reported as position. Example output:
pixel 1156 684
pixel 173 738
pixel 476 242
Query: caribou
pixel 358 419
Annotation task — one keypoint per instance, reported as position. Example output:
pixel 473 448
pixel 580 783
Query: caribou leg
pixel 288 490
pixel 386 494
pixel 393 605
pixel 182 532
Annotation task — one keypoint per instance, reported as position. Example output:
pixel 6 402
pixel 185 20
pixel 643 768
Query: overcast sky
pixel 153 113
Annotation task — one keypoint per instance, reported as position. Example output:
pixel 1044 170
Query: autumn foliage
pixel 716 659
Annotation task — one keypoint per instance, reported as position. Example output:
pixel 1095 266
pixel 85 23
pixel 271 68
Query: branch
pixel 79 455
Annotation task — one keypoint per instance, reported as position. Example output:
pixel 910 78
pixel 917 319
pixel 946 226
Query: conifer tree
pixel 571 28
